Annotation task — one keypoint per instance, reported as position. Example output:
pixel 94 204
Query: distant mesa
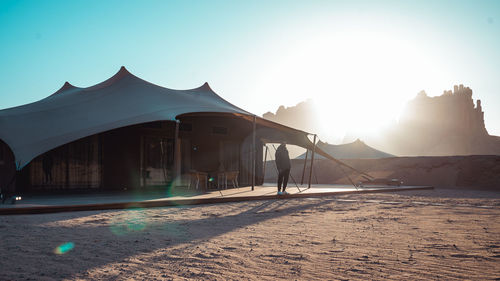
pixel 355 150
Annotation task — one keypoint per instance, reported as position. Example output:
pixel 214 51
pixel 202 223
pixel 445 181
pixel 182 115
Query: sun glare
pixel 360 81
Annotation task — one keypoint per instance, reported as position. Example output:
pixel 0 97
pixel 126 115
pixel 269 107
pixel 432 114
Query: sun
pixel 360 80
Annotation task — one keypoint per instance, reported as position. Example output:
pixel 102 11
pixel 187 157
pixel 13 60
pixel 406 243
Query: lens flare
pixel 64 248
pixel 132 221
pixel 181 187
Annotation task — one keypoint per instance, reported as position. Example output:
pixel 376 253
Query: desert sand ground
pixel 437 234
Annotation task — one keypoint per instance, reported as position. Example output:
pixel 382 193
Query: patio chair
pixel 221 180
pixel 232 177
pixel 195 177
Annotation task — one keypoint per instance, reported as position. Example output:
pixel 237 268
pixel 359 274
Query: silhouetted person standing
pixel 283 165
pixel 47 164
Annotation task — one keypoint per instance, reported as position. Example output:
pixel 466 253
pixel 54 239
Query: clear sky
pixel 362 59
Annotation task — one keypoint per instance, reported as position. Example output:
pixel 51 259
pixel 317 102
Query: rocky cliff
pixel 301 116
pixel 450 124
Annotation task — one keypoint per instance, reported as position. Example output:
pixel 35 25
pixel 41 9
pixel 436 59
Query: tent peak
pixel 205 86
pixel 123 69
pixel 123 72
pixel 64 87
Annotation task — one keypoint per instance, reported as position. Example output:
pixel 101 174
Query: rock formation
pixel 301 116
pixel 453 112
pixel 450 124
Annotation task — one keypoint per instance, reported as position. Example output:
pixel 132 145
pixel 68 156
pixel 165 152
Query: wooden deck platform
pixel 87 202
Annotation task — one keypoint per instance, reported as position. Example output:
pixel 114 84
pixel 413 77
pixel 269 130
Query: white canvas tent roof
pixel 72 113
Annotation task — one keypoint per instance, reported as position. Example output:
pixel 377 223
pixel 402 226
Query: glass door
pixel 157 160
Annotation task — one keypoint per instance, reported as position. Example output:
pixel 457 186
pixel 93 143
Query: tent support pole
pixel 143 178
pixel 177 154
pixel 312 161
pixel 66 182
pixel 304 170
pixel 253 151
pixel 264 166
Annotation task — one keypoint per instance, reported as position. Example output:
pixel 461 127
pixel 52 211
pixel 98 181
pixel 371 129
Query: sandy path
pixel 443 234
